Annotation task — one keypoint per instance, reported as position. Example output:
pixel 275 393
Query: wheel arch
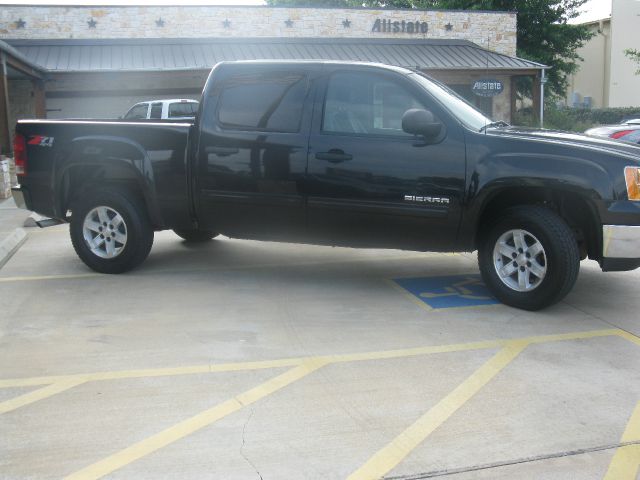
pixel 576 208
pixel 105 161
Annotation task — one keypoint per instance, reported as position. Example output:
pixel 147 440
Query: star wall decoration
pixel 92 23
pixel 226 23
pixel 20 23
pixel 448 27
pixel 289 23
pixel 160 23
pixel 346 23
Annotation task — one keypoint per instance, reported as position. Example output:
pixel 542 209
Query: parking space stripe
pixel 230 268
pixel 50 277
pixel 392 454
pixel 629 336
pixel 152 372
pixel 290 362
pixel 626 460
pixel 193 424
pixel 41 393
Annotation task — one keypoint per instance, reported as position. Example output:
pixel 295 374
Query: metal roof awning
pixel 119 55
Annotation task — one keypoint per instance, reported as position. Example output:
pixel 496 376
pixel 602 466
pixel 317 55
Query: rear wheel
pixel 110 231
pixel 529 257
pixel 196 235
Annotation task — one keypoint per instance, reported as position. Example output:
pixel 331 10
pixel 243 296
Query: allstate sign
pixel 487 87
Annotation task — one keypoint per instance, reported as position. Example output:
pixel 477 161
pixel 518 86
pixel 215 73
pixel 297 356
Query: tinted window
pixel 138 111
pixel 182 109
pixel 156 110
pixel 270 101
pixel 366 104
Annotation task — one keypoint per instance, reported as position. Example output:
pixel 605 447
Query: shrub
pixel 574 119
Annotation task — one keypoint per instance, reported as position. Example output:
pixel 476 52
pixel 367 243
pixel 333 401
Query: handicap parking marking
pixel 449 291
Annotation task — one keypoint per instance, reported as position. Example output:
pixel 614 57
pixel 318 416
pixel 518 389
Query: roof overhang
pixel 19 62
pixel 169 54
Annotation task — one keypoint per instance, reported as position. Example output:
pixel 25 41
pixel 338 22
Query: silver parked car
pixel 628 130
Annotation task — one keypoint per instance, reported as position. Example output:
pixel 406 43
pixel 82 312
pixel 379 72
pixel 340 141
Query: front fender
pixel 493 174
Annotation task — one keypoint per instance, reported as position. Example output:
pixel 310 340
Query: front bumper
pixel 620 247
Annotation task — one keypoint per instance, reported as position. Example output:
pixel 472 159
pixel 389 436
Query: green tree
pixel 544 34
pixel 635 56
pixel 356 3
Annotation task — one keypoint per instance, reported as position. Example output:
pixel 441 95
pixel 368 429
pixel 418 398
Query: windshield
pixel 469 115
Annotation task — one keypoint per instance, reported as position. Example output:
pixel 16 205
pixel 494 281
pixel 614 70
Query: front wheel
pixel 529 257
pixel 110 230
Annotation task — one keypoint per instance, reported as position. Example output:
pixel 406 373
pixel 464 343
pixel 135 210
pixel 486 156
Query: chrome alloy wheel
pixel 105 232
pixel 520 260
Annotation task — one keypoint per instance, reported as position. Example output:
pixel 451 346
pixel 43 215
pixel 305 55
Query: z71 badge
pixel 438 200
pixel 40 141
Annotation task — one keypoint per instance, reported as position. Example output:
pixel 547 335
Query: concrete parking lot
pixel 248 360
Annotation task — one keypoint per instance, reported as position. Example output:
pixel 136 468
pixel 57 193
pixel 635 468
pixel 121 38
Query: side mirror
pixel 421 122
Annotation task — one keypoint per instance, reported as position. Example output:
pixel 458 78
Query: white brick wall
pixel 497 29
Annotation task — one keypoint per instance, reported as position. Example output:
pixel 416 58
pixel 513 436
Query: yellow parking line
pixel 408 295
pixel 41 393
pixel 289 362
pixel 142 273
pixel 626 461
pixel 193 424
pixel 391 455
pixel 50 277
pixel 629 336
pixel 152 372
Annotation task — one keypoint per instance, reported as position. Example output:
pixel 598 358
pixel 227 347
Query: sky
pixel 592 10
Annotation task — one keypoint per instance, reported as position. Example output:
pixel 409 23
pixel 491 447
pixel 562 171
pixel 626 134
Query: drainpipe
pixel 543 80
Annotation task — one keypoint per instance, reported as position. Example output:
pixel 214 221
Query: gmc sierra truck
pixel 359 155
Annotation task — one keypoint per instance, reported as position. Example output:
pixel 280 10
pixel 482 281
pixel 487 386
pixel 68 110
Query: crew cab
pixel 361 155
pixel 173 109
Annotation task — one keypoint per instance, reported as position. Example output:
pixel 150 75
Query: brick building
pixel 87 61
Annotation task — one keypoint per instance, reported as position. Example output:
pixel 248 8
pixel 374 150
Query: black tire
pixel 138 231
pixel 196 235
pixel 561 257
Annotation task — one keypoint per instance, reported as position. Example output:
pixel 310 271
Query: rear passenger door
pixel 252 151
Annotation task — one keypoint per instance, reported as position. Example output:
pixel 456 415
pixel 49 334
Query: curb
pixel 11 244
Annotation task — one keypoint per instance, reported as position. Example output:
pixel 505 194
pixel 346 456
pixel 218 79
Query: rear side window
pixel 270 101
pixel 182 109
pixel 156 110
pixel 137 112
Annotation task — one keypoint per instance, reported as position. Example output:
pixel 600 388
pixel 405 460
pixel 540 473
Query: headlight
pixel 632 179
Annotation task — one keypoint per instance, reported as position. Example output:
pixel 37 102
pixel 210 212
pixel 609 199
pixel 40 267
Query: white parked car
pixel 175 108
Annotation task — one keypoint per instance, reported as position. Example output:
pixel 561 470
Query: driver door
pixel 371 184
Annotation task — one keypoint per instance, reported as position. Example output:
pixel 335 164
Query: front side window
pixel 270 101
pixel 361 103
pixel 156 111
pixel 182 109
pixel 460 108
pixel 137 112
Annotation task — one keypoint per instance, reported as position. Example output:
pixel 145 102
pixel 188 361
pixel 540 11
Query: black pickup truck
pixel 350 154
